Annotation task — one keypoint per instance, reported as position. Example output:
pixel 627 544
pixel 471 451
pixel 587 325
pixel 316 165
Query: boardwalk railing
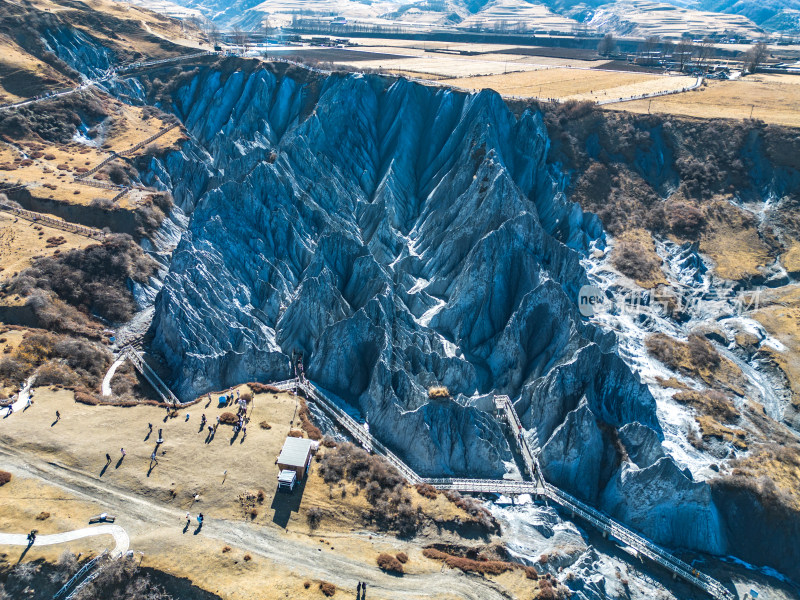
pixel 77 577
pixel 42 218
pixel 140 365
pixel 539 486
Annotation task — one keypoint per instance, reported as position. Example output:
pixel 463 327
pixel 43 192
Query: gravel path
pixel 143 513
pixel 120 537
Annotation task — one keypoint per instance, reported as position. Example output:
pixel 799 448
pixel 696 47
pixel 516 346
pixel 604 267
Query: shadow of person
pixel 285 503
pixel 235 435
pixel 199 527
pixel 53 424
pixel 119 462
pixel 24 552
pixel 186 527
pixel 105 466
pixel 147 437
pixel 152 466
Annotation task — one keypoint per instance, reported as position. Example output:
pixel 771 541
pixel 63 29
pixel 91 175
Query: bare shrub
pixel 633 260
pixel 438 392
pixel 54 373
pixel 228 418
pixel 43 516
pixel 226 549
pixel 684 218
pixel 402 557
pixel 247 558
pixel 389 563
pixel 265 425
pixel 261 388
pixel 427 491
pixel 295 433
pixel 5 477
pixel 314 517
pixel 703 354
pixel 327 589
pixel 304 414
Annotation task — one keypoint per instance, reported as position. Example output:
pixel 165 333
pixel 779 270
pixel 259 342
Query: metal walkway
pixel 537 487
pixel 140 365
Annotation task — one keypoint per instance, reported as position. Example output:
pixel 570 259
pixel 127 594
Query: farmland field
pixel 770 98
pixel 578 84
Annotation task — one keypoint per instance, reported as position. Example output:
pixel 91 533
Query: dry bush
pixel 314 517
pixel 635 261
pixel 94 279
pixel 702 353
pixel 5 477
pixel 685 219
pixel 327 589
pixel 247 397
pixel 261 388
pixel 427 491
pixel 306 584
pixel 228 418
pixel 438 392
pixel 253 514
pixel 295 433
pixel 54 373
pixel 709 402
pixel 226 549
pixel 247 558
pixel 402 557
pixel 43 516
pixel 389 563
pixel 312 430
pixel 469 565
pixel 265 425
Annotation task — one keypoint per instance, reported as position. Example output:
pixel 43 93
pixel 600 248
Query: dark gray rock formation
pixel 396 236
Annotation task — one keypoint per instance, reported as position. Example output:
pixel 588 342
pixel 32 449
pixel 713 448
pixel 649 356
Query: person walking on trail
pixel 108 458
pixel 122 451
pixel 58 416
pixel 153 457
pixel 150 428
pixel 188 519
pixel 200 520
pixel 358 590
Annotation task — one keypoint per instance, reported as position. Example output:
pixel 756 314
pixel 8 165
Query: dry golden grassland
pixel 772 99
pixel 19 64
pixel 223 472
pixel 577 84
pixel 634 253
pixel 50 168
pixel 21 241
pixel 731 240
pixel 779 313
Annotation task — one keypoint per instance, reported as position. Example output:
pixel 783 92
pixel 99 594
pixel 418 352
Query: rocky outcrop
pixel 394 236
pixel 664 501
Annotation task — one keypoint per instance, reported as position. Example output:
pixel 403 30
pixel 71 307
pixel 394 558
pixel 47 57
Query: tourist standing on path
pixel 108 458
pixel 58 416
pixel 188 519
pixel 122 451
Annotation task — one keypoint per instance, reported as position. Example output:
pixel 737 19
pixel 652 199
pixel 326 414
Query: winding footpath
pixel 142 513
pixel 120 537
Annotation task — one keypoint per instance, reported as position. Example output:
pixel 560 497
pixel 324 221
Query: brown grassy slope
pixel 676 177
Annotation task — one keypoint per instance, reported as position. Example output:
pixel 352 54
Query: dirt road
pixel 142 514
